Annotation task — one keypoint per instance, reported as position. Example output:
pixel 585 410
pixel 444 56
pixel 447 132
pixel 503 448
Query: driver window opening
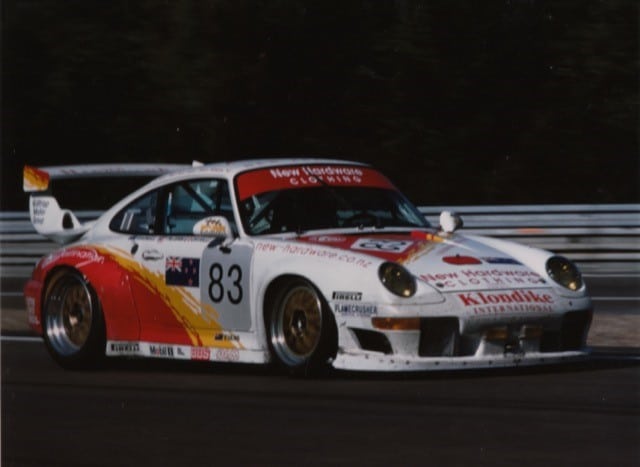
pixel 191 201
pixel 139 217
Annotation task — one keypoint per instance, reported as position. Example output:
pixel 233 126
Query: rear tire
pixel 74 331
pixel 301 331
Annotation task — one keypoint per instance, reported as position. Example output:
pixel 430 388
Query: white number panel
pixel 224 285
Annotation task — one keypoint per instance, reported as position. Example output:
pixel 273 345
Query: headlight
pixel 397 279
pixel 564 272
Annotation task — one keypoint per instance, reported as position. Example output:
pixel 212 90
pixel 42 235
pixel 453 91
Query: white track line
pixel 30 339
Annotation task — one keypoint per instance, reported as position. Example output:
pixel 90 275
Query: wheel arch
pixel 87 348
pixel 271 293
pixel 52 273
pixel 110 285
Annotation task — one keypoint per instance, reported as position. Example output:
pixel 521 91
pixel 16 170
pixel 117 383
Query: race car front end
pixel 450 342
pixel 523 319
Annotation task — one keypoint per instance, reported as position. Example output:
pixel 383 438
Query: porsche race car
pixel 305 263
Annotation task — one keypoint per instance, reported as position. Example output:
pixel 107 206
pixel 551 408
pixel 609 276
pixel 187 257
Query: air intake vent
pixel 373 341
pixel 575 325
pixel 439 337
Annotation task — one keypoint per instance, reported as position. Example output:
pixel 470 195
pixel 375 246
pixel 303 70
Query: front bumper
pixel 446 343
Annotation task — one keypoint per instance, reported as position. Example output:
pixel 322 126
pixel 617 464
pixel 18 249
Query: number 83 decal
pixel 225 284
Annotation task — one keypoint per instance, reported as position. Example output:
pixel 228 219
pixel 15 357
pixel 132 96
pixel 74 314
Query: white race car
pixel 307 263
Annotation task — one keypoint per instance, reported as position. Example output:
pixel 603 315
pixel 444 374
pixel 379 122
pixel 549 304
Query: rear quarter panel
pixel 109 281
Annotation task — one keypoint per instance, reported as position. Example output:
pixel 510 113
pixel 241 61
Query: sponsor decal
pixel 328 239
pixel 378 244
pixel 501 261
pixel 355 309
pixel 200 353
pixel 213 227
pixel 279 178
pixel 506 302
pixel 226 337
pixel 76 255
pixel 182 271
pixel 300 176
pixel 181 238
pixel 227 355
pixel 310 251
pixel 125 348
pixel 32 317
pixel 160 350
pixel 38 210
pixel 482 277
pixel 461 260
pixel 348 296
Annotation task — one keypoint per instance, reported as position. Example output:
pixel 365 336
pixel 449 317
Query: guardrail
pixel 601 237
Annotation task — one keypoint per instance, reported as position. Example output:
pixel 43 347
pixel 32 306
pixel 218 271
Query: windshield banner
pixel 281 178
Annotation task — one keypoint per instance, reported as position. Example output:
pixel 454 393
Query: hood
pixel 452 263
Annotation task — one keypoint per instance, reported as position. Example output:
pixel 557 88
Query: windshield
pixel 322 202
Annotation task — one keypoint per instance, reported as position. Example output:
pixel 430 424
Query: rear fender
pixel 111 285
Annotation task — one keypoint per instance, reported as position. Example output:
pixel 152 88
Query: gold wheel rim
pixel 297 328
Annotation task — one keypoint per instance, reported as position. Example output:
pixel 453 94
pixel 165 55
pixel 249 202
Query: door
pixel 175 265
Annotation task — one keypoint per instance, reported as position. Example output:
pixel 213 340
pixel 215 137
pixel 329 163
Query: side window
pixel 191 201
pixel 139 217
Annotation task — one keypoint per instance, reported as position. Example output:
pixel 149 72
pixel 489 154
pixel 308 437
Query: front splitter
pixel 373 361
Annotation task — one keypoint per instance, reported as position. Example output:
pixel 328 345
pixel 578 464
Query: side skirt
pixel 183 352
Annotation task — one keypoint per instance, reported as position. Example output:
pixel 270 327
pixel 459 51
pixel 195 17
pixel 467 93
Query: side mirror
pixel 450 221
pixel 214 226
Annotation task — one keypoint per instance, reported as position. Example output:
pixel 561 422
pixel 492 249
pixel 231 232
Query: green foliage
pixel 521 101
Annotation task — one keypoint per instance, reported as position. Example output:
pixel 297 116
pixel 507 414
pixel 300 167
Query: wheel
pixel 73 324
pixel 302 333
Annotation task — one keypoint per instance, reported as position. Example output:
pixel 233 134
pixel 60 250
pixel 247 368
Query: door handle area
pixel 152 255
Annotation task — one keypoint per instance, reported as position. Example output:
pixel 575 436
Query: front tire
pixel 302 334
pixel 74 331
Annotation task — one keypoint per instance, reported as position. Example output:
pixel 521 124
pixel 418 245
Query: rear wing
pixel 61 225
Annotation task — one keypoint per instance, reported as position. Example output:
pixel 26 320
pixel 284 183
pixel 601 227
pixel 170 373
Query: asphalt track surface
pixel 164 413
pixel 152 412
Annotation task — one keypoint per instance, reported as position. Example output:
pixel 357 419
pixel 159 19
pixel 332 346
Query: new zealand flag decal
pixel 182 271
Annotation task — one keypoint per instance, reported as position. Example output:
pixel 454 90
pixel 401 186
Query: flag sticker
pixel 182 271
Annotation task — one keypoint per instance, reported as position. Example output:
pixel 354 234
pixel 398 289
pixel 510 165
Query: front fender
pixel 344 278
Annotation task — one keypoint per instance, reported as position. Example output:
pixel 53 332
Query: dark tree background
pixel 458 101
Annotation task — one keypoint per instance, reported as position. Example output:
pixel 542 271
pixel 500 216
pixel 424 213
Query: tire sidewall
pixel 92 352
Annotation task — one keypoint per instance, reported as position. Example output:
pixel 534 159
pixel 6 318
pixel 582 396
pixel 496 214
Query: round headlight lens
pixel 564 272
pixel 397 279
